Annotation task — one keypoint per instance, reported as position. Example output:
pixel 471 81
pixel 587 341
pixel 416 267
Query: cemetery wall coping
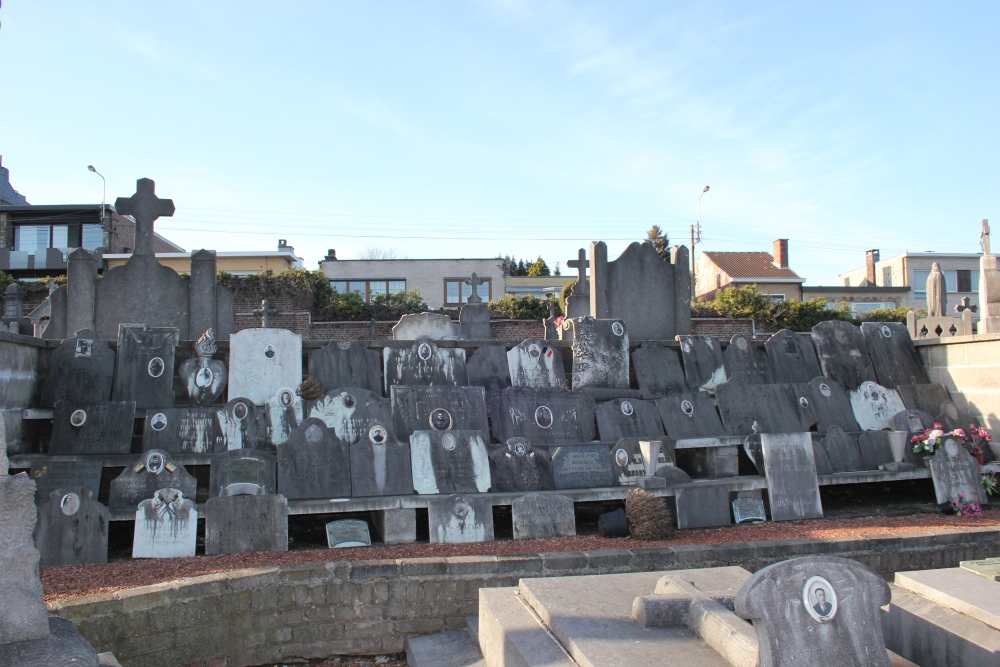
pixel 31 341
pixel 956 340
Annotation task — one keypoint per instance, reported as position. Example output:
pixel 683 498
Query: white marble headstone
pixel 262 361
pixel 875 405
pixel 166 526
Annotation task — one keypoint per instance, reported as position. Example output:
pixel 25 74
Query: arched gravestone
pixel 658 369
pixel 952 417
pixel 242 471
pixel 518 466
pixel 166 526
pixel 746 362
pixel 893 355
pixel 244 523
pixel 792 356
pixel 534 363
pixel 242 424
pixel 350 412
pixel 487 368
pixel 263 361
pixel 956 475
pixel 543 417
pixel 704 366
pixel 424 363
pixel 438 408
pixel 828 403
pixel 843 354
pixel 72 529
pixel 600 353
pixel 449 462
pixel 435 326
pixel 628 417
pixel 145 368
pixel 183 430
pixel 347 364
pixel 874 405
pixel 314 463
pixel 153 470
pixel 81 370
pixel 841 451
pixel 380 464
pixel 689 415
pixel 282 413
pixel 204 377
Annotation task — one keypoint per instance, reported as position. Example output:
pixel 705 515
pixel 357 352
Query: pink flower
pixel 959 432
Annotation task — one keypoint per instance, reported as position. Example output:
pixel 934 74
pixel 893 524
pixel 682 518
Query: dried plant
pixel 311 388
pixel 649 517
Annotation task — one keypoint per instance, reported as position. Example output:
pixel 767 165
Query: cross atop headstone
pixel 145 207
pixel 984 237
pixel 265 311
pixel 474 282
pixel 580 264
pixel 964 305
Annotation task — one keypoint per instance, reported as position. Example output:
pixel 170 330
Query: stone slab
pixel 875 405
pixel 53 474
pixel 380 464
pixel 449 462
pixel 350 412
pixel 263 361
pixel 344 363
pixel 582 467
pixel 106 428
pixel 956 475
pixel 842 451
pixel 81 370
pixel 628 464
pixel 144 372
pixel 704 365
pixel 243 524
pixel 542 417
pixel 183 430
pixel 314 463
pixel 924 397
pixel 690 415
pixel 435 326
pixel 600 353
pixel 774 408
pixel 747 362
pixel 957 589
pixel 988 568
pixel 459 519
pixel 21 595
pixel 893 355
pixel 242 424
pixel 154 470
pixel 536 364
pixel 396 526
pixel 424 363
pixel 537 517
pixel 843 354
pixel 510 634
pixel 166 526
pixel 282 412
pixel 793 487
pixel 447 649
pixel 829 403
pixel 658 369
pixel 517 466
pixel 623 418
pixel 72 529
pixel 793 357
pixel 703 507
pixel 487 368
pixel 876 449
pixel 418 408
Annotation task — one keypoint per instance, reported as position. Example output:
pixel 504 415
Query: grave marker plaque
pixel 424 363
pixel 347 364
pixel 458 519
pixel 534 363
pixel 166 526
pixel 843 354
pixel 93 429
pixel 350 412
pixel 154 470
pixel 348 533
pixel 183 430
pixel 628 417
pixel 793 357
pixel 314 463
pixel 81 370
pixel 242 471
pixel 582 467
pixel 449 462
pixel 72 529
pixel 520 467
pixel 145 370
pixel 380 464
pixel 658 369
pixel 793 487
pixel 53 474
pixel 704 367
pixel 437 408
pixel 543 417
pixel 746 362
pixel 749 509
pixel 263 361
pixel 600 353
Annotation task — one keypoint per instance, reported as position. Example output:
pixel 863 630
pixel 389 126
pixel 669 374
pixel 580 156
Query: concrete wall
pixel 21 359
pixel 969 368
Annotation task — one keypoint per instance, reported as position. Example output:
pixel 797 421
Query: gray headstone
pixel 204 377
pixel 793 488
pixel 823 464
pixel 62 647
pixel 543 417
pixel 796 625
pixel 658 369
pixel 842 353
pixel 380 464
pixel 842 451
pixel 449 462
pixel 793 357
pixel 424 363
pixel 582 467
pixel 957 476
pixel 534 363
pixel 747 362
pixel 457 519
pixel 52 474
pixel 628 417
pixel 690 415
pixel 153 471
pixel 876 449
pixel 350 412
pixel 517 466
pixel 21 596
pixel 145 368
pixel 924 397
pixel 952 417
pixel 183 430
pixel 263 361
pixel 81 370
pixel 242 424
pixel 600 353
pixel 830 404
pixel 437 408
pixel 435 326
pixel 629 466
pixel 93 429
pixel 703 507
pixel 348 533
pixel 893 355
pixel 487 368
pixel 475 321
pixel 773 407
pixel 874 405
pixel 314 463
pixel 242 524
pixel 282 413
pixel 166 526
pixel 240 470
pixel 537 517
pixel 347 364
pixel 72 529
pixel 704 367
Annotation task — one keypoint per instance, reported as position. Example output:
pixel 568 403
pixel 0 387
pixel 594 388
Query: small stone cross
pixel 964 305
pixel 265 312
pixel 474 282
pixel 984 238
pixel 145 207
pixel 580 264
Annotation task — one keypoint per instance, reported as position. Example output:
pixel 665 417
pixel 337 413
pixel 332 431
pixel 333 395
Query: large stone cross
pixel 474 282
pixel 145 207
pixel 984 237
pixel 265 313
pixel 964 305
pixel 580 264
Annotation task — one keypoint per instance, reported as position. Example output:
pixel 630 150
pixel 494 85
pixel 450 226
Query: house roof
pixel 750 265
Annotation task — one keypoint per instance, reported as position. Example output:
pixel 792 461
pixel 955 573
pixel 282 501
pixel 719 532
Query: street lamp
pixel 104 192
pixel 695 240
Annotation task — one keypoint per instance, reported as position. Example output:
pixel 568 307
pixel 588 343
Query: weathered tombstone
pixel 956 475
pixel 13 318
pixel 350 412
pixel 773 407
pixel 543 417
pixel 166 526
pixel 876 449
pixel 893 355
pixel 183 430
pixel 952 417
pixel 816 610
pixel 424 363
pixel 347 364
pixel 72 529
pixel 537 517
pixel 244 523
pixel 263 361
pixel 704 366
pixel 582 467
pixel 629 466
pixel 534 363
pixel 790 465
pixel 81 370
pixel 520 467
pixel 314 463
pixel 145 368
pixel 600 353
pixel 437 408
pixel 658 369
pixel 449 462
pixel 380 464
pixel 435 326
pixel 702 507
pixel 842 451
pixel 924 397
pixel 689 415
pixel 937 295
pixel 457 519
pixel 153 471
pixel 823 464
pixel 92 429
pixel 242 424
pixel 242 471
pixel 204 377
pixel 842 353
pixel 874 405
pixel 348 533
pixel 793 357
pixel 396 526
pixel 282 413
pixel 628 417
pixel 52 474
pixel 487 368
pixel 829 403
pixel 475 315
pixel 746 362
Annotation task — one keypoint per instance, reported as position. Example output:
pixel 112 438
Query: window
pixel 456 292
pixel 93 237
pixel 777 298
pixel 369 288
pixel 961 280
pixel 868 306
pixel 35 239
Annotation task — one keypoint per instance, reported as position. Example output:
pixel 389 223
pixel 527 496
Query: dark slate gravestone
pixel 628 417
pixel 874 405
pixel 449 462
pixel 166 526
pixel 350 412
pixel 81 370
pixel 488 369
pixel 582 467
pixel 242 424
pixel 242 524
pixel 72 529
pixel 50 475
pixel 600 353
pixel 460 519
pixel 628 466
pixel 842 353
pixel 534 363
pixel 348 533
pixel 437 408
pixel 823 464
pixel 282 413
pixel 153 471
pixel 537 517
pixel 892 353
pixel 424 363
pixel 204 377
pixel 792 485
pixel 830 404
pixel 747 362
pixel 93 429
pixel 957 476
pixel 475 320
pixel 658 369
pixel 347 364
pixel 817 610
pixel 704 366
pixel 145 370
pixel 519 467
pixel 314 463
pixel 262 362
pixel 793 357
pixel 242 471
pixel 703 507
pixel 876 449
pixel 183 430
pixel 690 415
pixel 773 407
pixel 380 464
pixel 842 451
pixel 924 397
pixel 543 417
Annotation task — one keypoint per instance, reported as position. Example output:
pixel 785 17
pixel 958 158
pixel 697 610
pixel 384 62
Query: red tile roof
pixel 743 265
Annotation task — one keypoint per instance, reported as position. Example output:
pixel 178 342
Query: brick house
pixel 768 272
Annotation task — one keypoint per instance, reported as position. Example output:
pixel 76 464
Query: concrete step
pixel 510 635
pixel 446 649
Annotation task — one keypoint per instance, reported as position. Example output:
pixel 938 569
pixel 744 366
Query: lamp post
pixel 104 192
pixel 695 240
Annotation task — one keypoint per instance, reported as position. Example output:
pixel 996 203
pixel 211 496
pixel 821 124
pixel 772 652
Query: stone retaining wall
pixel 315 610
pixel 967 367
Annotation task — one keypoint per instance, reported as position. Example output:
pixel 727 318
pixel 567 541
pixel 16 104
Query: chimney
pixel 331 255
pixel 283 245
pixel 781 253
pixel 871 258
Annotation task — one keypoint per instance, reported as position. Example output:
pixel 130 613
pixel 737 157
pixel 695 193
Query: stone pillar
pixel 599 306
pixel 682 290
pixel 81 286
pixel 989 295
pixel 202 293
pixel 937 296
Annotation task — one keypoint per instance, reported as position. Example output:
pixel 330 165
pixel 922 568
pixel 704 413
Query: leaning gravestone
pixel 183 430
pixel 350 412
pixel 93 429
pixel 600 353
pixel 449 462
pixel 519 467
pixel 166 526
pixel 823 465
pixel 703 507
pixel 380 464
pixel 204 377
pixel 347 364
pixel 537 517
pixel 72 529
pixel 704 366
pixel 793 357
pixel 542 417
pixel 243 523
pixel 534 363
pixel 457 519
pixel 658 369
pixel 153 471
pixel 314 463
pixel 874 405
pixel 487 368
pixel 145 368
pixel 435 326
pixel 924 397
pixel 52 474
pixel 689 415
pixel 956 475
pixel 843 354
pixel 282 413
pixel 437 408
pixel 773 407
pixel 348 533
pixel 746 362
pixel 792 484
pixel 242 424
pixel 893 355
pixel 628 417
pixel 582 467
pixel 829 403
pixel 843 451
pixel 81 370
pixel 241 471
pixel 952 417
pixel 424 363
pixel 263 361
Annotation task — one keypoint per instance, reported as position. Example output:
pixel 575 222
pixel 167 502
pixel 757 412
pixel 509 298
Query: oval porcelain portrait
pixel 819 599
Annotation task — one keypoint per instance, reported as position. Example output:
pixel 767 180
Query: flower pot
pixel 978 457
pixel 927 460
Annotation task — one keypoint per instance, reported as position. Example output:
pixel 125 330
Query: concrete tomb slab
pixel 487 368
pixel 549 417
pixel 704 366
pixel 396 526
pixel 52 474
pixel 829 404
pixel 154 470
pixel 774 408
pixel 242 471
pixel 380 464
pixel 242 424
pixel 875 405
pixel 988 568
pixel 350 412
pixel 537 517
pixel 242 524
pixel 600 353
pixel 81 370
pixel 459 518
pixel 348 533
pixel 204 377
pixel 72 529
pixel 145 369
pixel 424 363
pixel 628 417
pixel 517 466
pixel 263 361
pixel 925 397
pixel 893 355
pixel 435 326
pixel 449 462
pixel 437 408
pixel 793 487
pixel 956 475
pixel 344 363
pixel 283 412
pixel 703 507
pixel 793 357
pixel 843 354
pixel 535 363
pixel 747 361
pixel 79 428
pixel 314 463
pixel 690 415
pixel 166 526
pixel 183 430
pixel 658 369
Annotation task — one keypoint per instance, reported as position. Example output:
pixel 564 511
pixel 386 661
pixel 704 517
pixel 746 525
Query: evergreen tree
pixel 522 270
pixel 659 239
pixel 539 268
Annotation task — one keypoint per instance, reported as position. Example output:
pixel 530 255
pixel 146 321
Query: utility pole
pixel 696 239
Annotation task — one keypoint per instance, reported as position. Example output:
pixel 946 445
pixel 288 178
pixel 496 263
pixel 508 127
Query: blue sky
pixel 477 128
